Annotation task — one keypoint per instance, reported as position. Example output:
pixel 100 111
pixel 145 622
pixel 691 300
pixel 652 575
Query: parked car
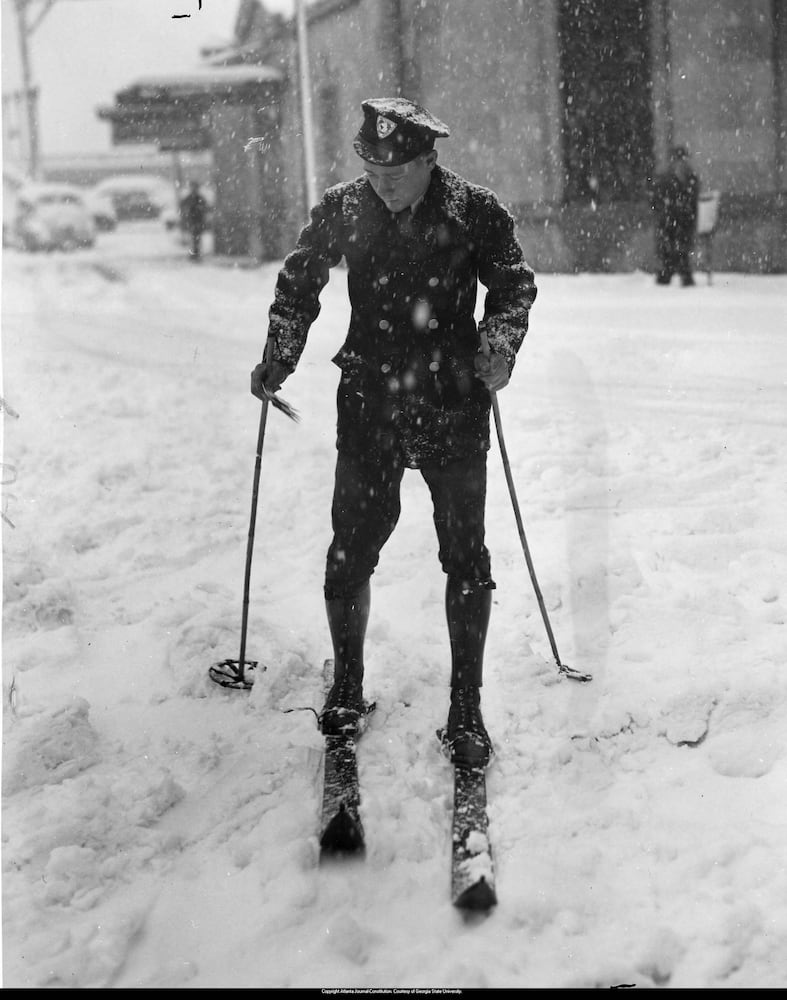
pixel 102 208
pixel 170 216
pixel 136 196
pixel 52 217
pixel 13 182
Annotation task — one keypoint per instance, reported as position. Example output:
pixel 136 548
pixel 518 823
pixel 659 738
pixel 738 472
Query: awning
pixel 173 109
pixel 203 80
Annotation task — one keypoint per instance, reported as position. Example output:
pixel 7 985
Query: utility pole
pixel 306 105
pixel 26 29
pixel 29 92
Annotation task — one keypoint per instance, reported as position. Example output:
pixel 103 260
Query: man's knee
pixel 473 585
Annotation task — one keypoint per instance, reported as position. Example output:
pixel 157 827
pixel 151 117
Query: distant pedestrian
pixel 194 218
pixel 675 199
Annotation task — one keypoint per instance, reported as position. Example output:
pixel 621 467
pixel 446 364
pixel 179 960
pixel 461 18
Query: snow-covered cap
pixel 395 131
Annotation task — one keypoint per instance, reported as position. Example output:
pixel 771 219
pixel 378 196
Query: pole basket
pixel 573 674
pixel 231 674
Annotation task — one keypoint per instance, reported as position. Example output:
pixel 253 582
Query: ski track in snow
pixel 159 831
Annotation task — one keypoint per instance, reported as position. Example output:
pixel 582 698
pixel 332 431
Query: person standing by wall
pixel 675 199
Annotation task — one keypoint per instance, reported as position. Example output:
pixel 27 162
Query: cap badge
pixel 384 127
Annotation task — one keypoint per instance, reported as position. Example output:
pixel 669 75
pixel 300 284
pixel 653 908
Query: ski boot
pixel 344 707
pixel 466 740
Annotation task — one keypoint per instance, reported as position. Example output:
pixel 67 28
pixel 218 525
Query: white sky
pixel 84 51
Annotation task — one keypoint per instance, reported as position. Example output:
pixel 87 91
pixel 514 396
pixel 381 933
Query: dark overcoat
pixel 675 202
pixel 408 382
pixel 194 212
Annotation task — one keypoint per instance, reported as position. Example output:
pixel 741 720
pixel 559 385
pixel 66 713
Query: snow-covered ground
pixel 160 831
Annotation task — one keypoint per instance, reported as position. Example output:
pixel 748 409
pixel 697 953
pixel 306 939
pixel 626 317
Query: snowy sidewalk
pixel 160 832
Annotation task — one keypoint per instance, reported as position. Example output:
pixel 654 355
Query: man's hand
pixel 267 378
pixel 492 369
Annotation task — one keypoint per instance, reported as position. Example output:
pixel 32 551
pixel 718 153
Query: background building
pixel 566 108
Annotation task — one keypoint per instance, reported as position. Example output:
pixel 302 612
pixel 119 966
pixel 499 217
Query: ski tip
pixel 477 897
pixel 343 835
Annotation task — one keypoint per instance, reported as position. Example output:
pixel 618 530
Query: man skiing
pixel 414 391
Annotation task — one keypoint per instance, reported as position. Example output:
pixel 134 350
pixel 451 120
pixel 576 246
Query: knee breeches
pixel 366 508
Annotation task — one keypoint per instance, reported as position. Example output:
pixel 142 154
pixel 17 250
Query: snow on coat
pixel 413 294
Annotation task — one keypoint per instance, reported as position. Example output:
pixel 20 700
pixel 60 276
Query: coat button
pixel 433 324
pixel 385 367
pixel 434 366
pixel 383 324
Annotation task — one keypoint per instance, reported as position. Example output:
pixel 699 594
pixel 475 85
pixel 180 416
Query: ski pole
pixel 229 673
pixel 250 541
pixel 562 667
